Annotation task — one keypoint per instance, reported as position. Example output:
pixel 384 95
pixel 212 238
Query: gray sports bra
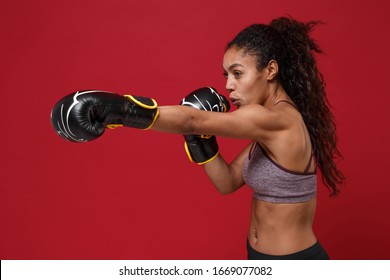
pixel 273 183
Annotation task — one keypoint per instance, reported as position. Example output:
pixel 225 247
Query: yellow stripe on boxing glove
pixel 144 102
pixel 142 113
pixel 201 149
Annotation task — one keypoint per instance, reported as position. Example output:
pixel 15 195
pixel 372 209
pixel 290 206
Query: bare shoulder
pixel 290 147
pixel 269 123
pixel 287 111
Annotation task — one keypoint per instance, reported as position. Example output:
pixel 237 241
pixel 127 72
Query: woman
pixel 273 80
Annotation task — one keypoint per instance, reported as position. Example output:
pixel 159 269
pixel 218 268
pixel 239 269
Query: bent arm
pixel 249 122
pixel 227 178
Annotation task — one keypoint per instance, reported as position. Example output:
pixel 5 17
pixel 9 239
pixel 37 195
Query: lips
pixel 235 101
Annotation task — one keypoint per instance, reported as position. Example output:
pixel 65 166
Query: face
pixel 246 84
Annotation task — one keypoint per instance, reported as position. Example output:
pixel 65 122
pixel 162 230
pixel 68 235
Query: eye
pixel 225 74
pixel 237 74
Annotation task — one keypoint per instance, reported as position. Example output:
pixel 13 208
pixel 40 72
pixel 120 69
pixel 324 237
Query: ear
pixel 272 69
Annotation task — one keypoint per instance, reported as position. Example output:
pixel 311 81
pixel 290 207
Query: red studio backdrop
pixel 133 194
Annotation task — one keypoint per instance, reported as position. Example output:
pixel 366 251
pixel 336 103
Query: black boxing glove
pixel 202 149
pixel 83 116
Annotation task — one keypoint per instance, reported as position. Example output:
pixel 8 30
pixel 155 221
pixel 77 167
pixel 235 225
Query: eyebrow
pixel 234 65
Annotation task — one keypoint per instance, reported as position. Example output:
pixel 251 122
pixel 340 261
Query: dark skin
pixel 276 229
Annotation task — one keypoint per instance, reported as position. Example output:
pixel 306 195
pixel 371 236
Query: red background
pixel 133 194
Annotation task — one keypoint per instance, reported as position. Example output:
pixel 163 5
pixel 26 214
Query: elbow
pixel 224 182
pixel 225 191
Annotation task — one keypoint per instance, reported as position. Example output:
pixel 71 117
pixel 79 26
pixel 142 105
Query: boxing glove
pixel 83 116
pixel 202 149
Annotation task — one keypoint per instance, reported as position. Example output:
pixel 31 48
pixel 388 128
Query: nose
pixel 229 85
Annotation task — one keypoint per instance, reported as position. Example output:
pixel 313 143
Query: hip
pixel 313 252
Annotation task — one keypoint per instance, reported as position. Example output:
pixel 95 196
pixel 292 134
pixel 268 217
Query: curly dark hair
pixel 287 41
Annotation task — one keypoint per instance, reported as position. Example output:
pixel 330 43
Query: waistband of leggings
pixel 312 250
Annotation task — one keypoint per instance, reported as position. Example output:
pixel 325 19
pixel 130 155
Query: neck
pixel 276 93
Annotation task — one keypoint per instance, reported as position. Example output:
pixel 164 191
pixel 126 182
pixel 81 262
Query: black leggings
pixel 315 252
